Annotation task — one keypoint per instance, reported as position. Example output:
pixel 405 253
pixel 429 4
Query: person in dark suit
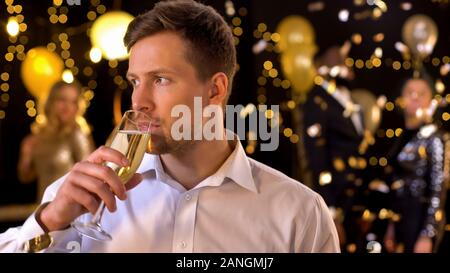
pixel 333 132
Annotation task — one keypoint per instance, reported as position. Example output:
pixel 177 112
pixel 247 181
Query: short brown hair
pixel 210 41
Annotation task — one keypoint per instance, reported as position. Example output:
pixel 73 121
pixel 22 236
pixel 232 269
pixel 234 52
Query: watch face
pixel 38 243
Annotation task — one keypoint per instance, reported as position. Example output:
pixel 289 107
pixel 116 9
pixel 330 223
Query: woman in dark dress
pixel 418 186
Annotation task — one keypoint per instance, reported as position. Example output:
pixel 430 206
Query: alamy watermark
pixel 258 123
pixel 73 2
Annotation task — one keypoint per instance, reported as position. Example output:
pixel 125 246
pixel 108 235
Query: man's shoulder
pixel 270 179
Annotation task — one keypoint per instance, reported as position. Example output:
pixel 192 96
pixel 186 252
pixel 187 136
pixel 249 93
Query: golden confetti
pixel 338 164
pixel 396 65
pixel 294 138
pixel 390 133
pixel 351 248
pixel 422 152
pixel 325 178
pixel 368 215
pixel 316 6
pixel 373 161
pixel 362 15
pixel 287 132
pixel 318 80
pixel 314 130
pixel 352 162
pixel 445 116
pixel 359 63
pixel 383 214
pixel 439 85
pixel 438 215
pixel 379 37
pixel 376 62
pixel 349 62
pixel 389 106
pixel 291 104
pixel 406 6
pixel 362 163
pixel 236 21
pixel 397 184
pixel 356 38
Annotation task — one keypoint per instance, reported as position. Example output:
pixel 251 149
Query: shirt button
pixel 188 197
pixel 183 244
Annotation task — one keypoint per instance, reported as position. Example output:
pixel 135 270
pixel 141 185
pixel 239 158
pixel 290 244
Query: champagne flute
pixel 131 138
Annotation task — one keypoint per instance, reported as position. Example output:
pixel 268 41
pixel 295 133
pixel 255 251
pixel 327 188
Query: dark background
pixel 329 31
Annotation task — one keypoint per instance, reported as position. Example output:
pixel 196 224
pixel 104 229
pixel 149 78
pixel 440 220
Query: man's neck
pixel 196 164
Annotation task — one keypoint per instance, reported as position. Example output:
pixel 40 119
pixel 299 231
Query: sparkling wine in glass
pixel 131 138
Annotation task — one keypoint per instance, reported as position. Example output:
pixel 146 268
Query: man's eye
pixel 134 82
pixel 161 81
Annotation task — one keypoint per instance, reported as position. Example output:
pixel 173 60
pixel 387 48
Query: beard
pixel 165 144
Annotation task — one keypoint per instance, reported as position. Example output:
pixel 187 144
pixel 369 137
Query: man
pixel 333 133
pixel 189 196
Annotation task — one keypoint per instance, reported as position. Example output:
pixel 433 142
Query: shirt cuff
pixel 29 230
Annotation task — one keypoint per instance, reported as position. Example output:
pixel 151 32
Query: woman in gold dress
pixel 58 143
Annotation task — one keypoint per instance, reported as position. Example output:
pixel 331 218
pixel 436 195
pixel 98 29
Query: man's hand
pixel 85 186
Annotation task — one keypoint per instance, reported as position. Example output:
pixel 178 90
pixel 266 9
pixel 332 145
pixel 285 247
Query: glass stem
pixel 98 214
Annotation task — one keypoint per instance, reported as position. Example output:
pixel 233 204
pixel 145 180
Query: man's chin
pixel 162 145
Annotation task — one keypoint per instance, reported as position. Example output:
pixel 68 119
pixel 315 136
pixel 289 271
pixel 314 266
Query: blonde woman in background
pixel 57 144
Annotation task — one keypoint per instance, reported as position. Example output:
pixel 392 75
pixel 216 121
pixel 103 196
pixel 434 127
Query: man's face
pixel 163 78
pixel 416 95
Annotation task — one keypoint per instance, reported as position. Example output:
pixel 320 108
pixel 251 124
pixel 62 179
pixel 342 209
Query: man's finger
pixel 104 174
pixel 107 154
pixel 98 188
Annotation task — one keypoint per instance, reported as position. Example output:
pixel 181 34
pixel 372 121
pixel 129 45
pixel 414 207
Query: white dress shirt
pixel 245 206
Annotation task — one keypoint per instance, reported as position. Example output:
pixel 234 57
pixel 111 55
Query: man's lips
pixel 148 127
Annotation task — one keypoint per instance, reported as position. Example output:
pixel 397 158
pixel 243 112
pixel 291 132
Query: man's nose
pixel 142 99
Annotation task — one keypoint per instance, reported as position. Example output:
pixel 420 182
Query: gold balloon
pixel 369 107
pixel 295 30
pixel 40 70
pixel 297 66
pixel 420 33
pixel 107 34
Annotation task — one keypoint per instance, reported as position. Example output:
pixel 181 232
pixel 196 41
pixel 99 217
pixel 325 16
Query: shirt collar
pixel 236 167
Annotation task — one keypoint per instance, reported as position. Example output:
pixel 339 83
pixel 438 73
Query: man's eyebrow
pixel 152 72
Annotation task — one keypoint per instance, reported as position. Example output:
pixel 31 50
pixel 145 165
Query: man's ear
pixel 219 89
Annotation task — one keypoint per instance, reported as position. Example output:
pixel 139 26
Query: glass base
pixel 92 230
